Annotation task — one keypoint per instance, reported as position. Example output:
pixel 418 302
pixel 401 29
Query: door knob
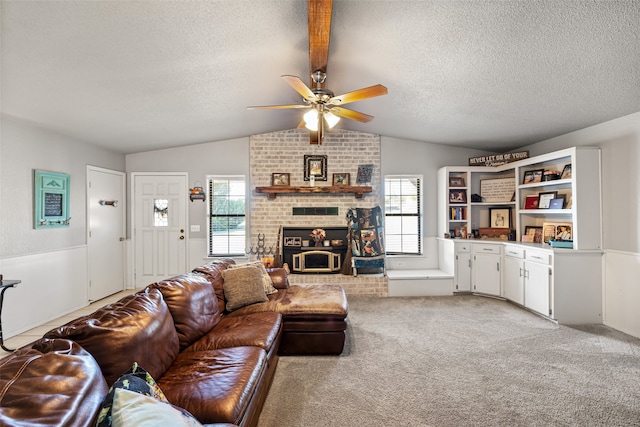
pixel 181 237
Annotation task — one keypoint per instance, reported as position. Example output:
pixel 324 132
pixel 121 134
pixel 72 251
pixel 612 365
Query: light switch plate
pixel 195 228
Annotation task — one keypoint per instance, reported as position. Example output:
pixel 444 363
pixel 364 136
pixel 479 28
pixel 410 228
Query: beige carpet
pixel 460 361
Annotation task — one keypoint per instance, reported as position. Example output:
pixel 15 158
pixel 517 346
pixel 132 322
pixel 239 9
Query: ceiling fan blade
pixel 296 83
pixel 358 95
pixel 319 32
pixel 351 114
pixel 276 107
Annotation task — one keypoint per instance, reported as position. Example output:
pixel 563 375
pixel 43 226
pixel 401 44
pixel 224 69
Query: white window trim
pixel 422 211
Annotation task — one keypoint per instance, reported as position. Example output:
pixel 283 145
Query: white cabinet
pixel 527 277
pixel 462 275
pixel 486 270
pixel 514 274
pixel 537 281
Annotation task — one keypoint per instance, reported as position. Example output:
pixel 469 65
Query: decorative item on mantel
pixel 318 235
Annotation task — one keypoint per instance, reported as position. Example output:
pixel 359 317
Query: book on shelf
pixel 458 213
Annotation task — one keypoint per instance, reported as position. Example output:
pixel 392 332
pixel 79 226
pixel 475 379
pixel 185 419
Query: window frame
pixel 210 179
pixel 419 214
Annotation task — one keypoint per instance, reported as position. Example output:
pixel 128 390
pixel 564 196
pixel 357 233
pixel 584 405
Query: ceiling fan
pixel 322 104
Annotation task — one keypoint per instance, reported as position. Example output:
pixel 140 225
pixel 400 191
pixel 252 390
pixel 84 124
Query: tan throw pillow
pixel 267 283
pixel 243 286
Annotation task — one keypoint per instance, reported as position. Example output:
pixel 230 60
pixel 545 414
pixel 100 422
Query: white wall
pixel 414 157
pixel 229 157
pixel 52 264
pixel 619 141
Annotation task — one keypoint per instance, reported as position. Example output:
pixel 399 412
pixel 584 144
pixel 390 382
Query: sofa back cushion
pixel 193 306
pixel 50 383
pixel 213 272
pixel 138 328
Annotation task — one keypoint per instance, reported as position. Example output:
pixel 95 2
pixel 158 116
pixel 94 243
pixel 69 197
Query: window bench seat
pixel 419 282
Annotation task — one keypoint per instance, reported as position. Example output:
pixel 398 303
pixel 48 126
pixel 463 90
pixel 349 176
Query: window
pixel 403 215
pixel 226 215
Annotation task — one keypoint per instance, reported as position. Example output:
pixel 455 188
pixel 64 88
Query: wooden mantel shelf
pixel 274 190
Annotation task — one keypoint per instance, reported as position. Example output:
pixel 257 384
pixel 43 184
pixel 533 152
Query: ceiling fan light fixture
pixel 311 119
pixel 331 119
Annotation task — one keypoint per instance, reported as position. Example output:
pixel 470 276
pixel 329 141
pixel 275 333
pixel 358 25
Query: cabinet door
pixel 536 287
pixel 462 280
pixel 513 276
pixel 486 274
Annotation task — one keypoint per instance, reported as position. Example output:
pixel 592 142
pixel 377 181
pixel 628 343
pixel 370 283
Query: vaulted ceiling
pixel 493 75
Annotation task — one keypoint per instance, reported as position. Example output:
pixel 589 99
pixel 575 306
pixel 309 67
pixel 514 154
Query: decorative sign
pixel 498 159
pixel 51 204
pixel 365 173
pixel 497 190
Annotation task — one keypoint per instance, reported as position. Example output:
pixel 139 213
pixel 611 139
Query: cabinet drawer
pixel 514 252
pixel 486 249
pixel 463 247
pixel 539 256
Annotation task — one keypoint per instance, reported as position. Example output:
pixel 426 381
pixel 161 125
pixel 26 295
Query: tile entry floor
pixel 31 335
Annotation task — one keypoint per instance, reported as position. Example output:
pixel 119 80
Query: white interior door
pixel 106 234
pixel 159 226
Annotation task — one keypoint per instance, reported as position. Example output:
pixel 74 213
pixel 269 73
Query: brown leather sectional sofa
pixel 215 364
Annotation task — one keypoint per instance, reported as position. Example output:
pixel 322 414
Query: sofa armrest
pixel 279 277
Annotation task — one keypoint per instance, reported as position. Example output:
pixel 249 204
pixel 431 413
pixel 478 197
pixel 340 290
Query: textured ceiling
pixel 494 75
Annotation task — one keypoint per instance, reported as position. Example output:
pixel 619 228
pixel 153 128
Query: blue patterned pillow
pixel 135 380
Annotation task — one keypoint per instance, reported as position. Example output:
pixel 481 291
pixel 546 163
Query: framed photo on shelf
pixel 566 172
pixel 292 241
pixel 456 181
pixel 316 166
pixel 557 203
pixel 457 196
pixel 500 217
pixel 557 231
pixel 531 202
pixel 461 231
pixel 534 233
pixel 544 199
pixel 341 179
pixel 533 176
pixel 279 178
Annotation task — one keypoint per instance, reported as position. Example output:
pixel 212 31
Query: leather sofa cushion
pixel 138 328
pixel 213 272
pixel 304 302
pixel 279 277
pixel 50 383
pixel 193 306
pixel 257 329
pixel 216 386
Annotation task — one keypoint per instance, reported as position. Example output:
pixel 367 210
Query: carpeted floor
pixel 460 361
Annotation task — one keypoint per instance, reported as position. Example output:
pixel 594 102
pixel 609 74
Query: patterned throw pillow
pixel 267 283
pixel 134 409
pixel 138 381
pixel 242 286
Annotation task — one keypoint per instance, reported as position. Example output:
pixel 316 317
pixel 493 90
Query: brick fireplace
pixel 283 152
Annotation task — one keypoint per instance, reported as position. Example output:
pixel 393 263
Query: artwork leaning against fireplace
pixel 366 237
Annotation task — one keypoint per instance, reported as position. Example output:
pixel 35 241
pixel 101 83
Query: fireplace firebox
pixel 302 256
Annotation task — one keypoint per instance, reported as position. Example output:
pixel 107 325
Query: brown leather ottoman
pixel 314 318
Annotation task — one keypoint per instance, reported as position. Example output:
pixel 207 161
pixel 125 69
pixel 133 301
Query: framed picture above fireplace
pixel 316 166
